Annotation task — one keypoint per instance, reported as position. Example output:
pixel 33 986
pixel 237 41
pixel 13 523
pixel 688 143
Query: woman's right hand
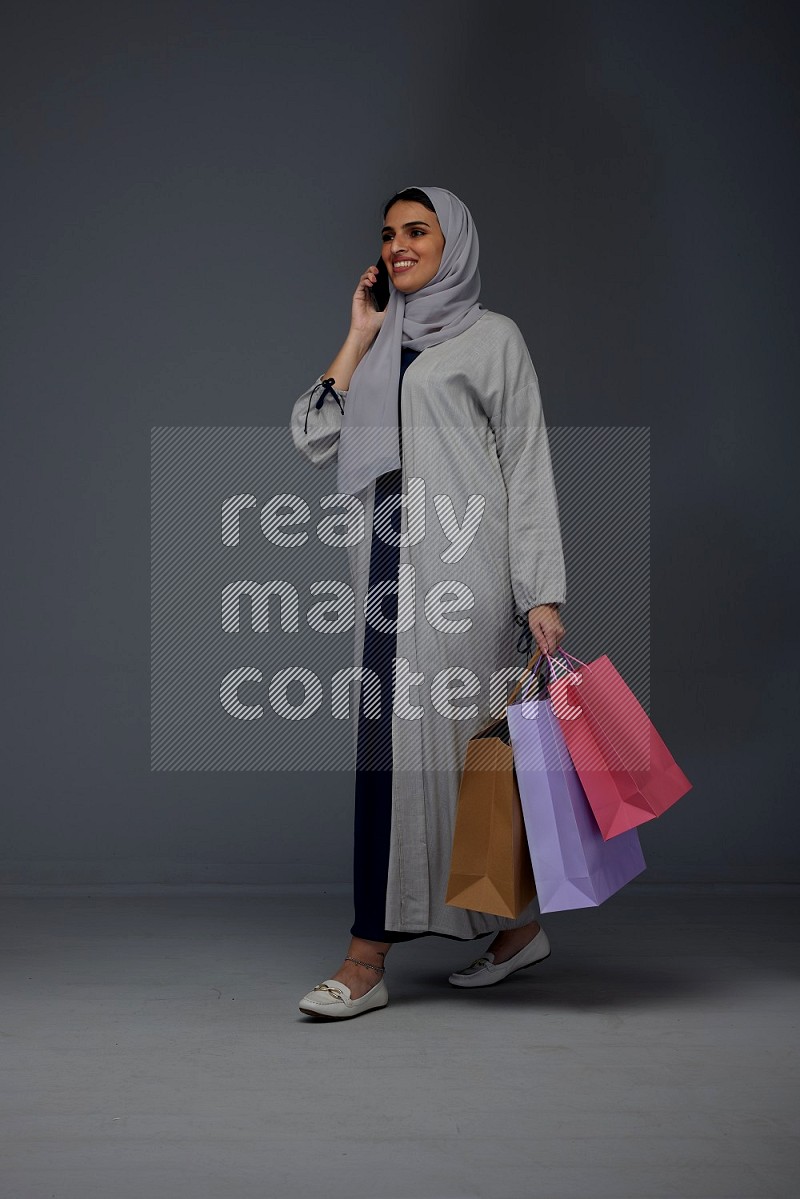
pixel 365 318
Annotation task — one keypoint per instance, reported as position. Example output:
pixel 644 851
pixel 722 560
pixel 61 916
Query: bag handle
pixel 571 657
pixel 530 669
pixel 550 660
pixel 526 676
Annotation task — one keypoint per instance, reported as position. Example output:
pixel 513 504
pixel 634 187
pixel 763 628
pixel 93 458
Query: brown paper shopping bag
pixel 490 865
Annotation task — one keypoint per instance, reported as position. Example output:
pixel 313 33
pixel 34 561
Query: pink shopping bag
pixel 627 772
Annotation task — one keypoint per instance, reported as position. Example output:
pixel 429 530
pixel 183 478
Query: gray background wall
pixel 189 196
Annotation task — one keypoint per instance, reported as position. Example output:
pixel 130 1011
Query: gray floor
pixel 153 1047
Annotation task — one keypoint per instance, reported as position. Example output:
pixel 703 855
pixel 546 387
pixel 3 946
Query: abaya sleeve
pixel 536 557
pixel 316 421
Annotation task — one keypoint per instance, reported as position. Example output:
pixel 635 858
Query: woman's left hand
pixel 545 624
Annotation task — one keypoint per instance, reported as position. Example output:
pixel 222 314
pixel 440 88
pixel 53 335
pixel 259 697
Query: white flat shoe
pixel 331 999
pixel 483 972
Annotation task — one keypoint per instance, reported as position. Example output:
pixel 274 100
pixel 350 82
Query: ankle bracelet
pixel 358 962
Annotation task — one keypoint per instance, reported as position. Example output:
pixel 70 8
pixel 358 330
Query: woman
pixel 434 398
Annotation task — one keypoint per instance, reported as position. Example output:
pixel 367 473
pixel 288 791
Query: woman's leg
pixel 510 940
pixel 360 978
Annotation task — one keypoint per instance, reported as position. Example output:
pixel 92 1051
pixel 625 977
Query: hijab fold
pixel 369 441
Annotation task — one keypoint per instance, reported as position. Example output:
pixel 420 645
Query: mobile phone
pixel 380 288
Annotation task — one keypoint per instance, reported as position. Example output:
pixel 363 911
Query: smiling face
pixel 412 245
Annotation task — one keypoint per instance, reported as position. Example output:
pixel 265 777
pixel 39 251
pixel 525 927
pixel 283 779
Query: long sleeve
pixel 316 421
pixel 538 574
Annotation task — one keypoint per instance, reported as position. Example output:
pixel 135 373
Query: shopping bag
pixel 627 772
pixel 490 866
pixel 573 866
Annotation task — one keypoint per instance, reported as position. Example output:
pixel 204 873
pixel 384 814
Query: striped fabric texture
pixel 480 543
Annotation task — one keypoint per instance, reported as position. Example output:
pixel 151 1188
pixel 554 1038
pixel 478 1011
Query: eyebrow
pixel 408 224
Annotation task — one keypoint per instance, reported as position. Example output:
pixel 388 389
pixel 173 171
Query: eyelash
pixel 386 236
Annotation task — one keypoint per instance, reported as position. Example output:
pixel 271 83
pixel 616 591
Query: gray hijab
pixel 369 442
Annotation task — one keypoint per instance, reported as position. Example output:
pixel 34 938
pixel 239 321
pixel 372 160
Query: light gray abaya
pixel 472 426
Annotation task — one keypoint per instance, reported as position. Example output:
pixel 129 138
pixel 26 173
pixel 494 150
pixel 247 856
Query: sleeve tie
pixel 327 388
pixel 525 639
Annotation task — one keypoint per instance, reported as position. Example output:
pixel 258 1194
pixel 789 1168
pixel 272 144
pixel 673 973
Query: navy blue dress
pixel 373 788
pixel 373 791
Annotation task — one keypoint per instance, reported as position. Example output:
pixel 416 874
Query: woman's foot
pixel 361 979
pixel 485 971
pixel 510 940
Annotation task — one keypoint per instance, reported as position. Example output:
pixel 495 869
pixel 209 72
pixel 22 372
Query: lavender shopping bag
pixel 574 867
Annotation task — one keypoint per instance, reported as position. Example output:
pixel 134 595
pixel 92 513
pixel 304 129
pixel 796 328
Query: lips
pixel 403 264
